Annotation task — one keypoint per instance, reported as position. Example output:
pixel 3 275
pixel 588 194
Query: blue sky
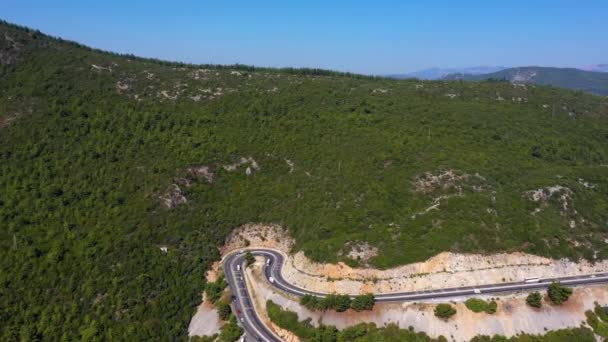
pixel 376 37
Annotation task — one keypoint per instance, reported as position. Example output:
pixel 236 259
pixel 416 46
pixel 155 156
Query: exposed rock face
pixel 173 197
pixel 202 173
pixel 444 181
pixel 258 235
pixel 543 196
pixel 446 184
pixel 524 76
pixel 362 251
pixel 122 86
pixel 252 165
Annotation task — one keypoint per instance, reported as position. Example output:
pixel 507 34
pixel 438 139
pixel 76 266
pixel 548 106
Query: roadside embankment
pixel 442 271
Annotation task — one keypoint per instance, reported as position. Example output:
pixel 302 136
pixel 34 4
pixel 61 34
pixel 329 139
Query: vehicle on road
pixel 271 279
pixel 532 280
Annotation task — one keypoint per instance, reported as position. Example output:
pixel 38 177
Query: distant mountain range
pixel 596 67
pixel 439 73
pixel 589 81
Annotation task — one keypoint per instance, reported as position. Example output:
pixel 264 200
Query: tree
pixel 480 305
pixel 231 331
pixel 325 334
pixel 558 294
pixel 363 302
pixel 444 311
pixel 249 258
pixel 310 302
pixel 224 311
pixel 534 299
pixel 214 290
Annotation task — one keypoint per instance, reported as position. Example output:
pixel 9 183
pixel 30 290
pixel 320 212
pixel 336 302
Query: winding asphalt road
pixel 257 331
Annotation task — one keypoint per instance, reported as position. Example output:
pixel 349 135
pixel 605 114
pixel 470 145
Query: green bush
pixel 558 294
pixel 211 338
pixel 249 258
pixel 563 335
pixel 599 327
pixel 444 311
pixel 601 312
pixel 289 320
pixel 363 302
pixel 535 299
pixel 215 290
pixel 231 331
pixel 224 311
pixel 479 305
pixel 340 303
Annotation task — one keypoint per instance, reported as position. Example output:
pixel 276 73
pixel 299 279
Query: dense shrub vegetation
pixel 214 290
pixel 363 302
pixel 601 312
pixel 558 294
pixel 231 331
pixel 598 320
pixel 91 143
pixel 444 311
pixel 249 258
pixel 535 299
pixel 480 305
pixel 224 310
pixel 340 303
pixel 563 335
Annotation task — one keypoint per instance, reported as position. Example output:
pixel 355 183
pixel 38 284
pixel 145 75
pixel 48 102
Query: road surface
pixel 256 331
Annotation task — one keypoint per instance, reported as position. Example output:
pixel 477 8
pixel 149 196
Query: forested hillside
pixel 104 159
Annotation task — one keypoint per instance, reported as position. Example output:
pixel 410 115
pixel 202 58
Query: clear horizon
pixel 387 37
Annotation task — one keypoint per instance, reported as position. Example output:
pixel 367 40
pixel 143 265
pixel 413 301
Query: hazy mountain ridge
pixel 596 67
pixel 569 78
pixel 438 73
